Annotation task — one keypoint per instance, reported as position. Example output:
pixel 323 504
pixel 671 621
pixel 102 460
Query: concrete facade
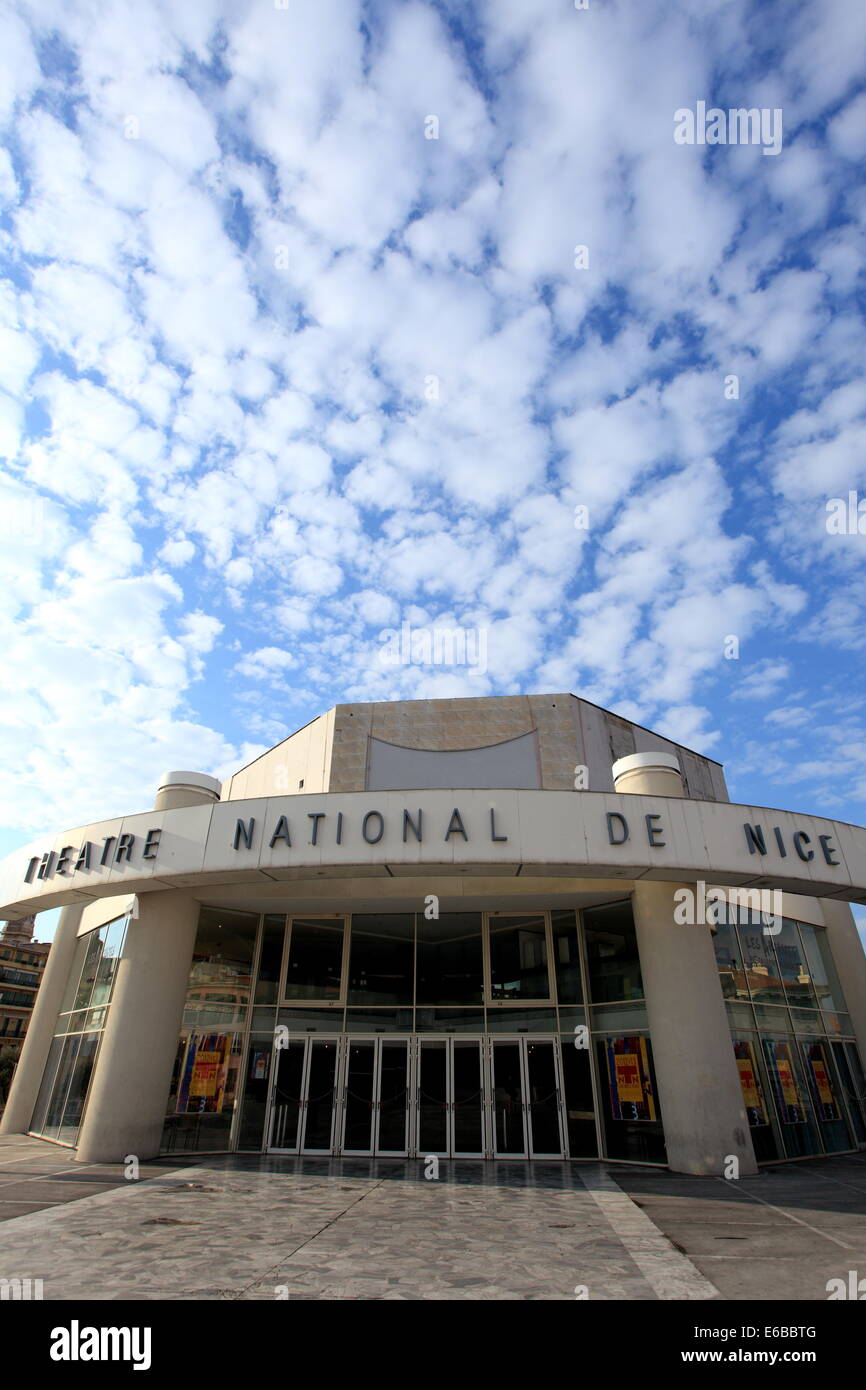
pixel 332 752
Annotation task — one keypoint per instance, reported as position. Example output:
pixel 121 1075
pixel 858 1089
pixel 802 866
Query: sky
pixel 321 318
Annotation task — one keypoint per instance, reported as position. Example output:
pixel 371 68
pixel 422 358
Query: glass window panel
pixel 826 1096
pixel 382 958
pixel 579 1104
pixel 393 1097
pixel 808 1021
pixel 788 1086
pixel 740 1016
pixel 254 1102
pixel 450 969
pixel 57 1102
pixel 222 960
pixel 796 978
pixel 321 1088
pixel 837 1023
pixel 518 958
pixel 203 1092
pixel 273 936
pixel 287 1112
pixel 82 946
pixel 759 1108
pixel 819 963
pixel 433 1096
pixel 209 1079
pixel 611 953
pixel 449 1020
pixel 855 1094
pixel 206 1016
pixel 569 1019
pixel 264 1021
pixel 468 1097
pixel 772 1020
pixel 620 1017
pixel 566 956
pixel 509 1100
pixel 761 966
pixel 542 1098
pixel 88 970
pixel 521 1020
pixel 176 1073
pixel 315 958
pixel 379 1020
pixel 79 1084
pixel 312 1020
pixel 46 1090
pixel 112 938
pixel 360 1097
pixel 729 961
pixel 75 1022
pixel 630 1113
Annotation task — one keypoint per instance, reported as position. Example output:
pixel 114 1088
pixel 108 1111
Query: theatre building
pixel 517 928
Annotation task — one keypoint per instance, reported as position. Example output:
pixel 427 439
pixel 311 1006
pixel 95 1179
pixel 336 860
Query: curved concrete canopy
pixel 579 834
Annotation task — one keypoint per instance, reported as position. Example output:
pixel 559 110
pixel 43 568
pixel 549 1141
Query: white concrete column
pixel 128 1092
pixel 43 1023
pixel 700 1096
pixel 846 949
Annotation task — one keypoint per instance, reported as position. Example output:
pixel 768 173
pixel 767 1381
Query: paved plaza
pixel 243 1227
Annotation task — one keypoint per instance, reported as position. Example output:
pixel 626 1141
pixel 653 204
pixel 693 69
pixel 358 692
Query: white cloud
pixel 333 375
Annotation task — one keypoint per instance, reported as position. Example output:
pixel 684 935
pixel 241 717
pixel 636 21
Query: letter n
pixel 245 833
pixel 755 839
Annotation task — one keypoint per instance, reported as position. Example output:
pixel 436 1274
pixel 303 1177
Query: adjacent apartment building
pixel 22 962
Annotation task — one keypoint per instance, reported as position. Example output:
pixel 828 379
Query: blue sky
pixel 279 372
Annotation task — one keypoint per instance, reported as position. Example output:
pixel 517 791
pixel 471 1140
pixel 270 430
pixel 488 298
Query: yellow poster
pixel 822 1080
pixel 786 1078
pixel 206 1074
pixel 628 1083
pixel 747 1081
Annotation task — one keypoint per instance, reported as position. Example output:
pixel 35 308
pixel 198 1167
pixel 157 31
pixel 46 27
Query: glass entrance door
pixel 527 1108
pixel 543 1099
pixel 302 1100
pixel 376 1097
pixel 449 1103
pixel 509 1101
pixel 392 1096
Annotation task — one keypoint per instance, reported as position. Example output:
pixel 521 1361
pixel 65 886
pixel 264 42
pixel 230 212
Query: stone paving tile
pixel 238 1228
pixel 222 1235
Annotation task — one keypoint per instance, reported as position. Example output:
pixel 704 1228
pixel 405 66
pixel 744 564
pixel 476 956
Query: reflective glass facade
pixel 480 1034
pixel 65 1081
pixel 799 1067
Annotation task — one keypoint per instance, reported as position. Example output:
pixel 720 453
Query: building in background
pixel 22 962
pixel 472 928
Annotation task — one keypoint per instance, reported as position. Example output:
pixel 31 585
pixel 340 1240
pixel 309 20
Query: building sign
pixel 311 829
pixel 599 833
pixel 69 860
